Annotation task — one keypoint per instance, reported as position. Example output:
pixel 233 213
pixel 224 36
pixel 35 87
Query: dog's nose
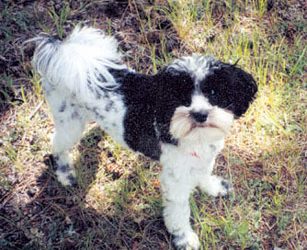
pixel 199 116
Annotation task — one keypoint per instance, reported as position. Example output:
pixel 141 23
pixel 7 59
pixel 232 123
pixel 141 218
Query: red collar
pixel 194 154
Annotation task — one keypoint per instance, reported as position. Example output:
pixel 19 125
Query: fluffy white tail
pixel 82 58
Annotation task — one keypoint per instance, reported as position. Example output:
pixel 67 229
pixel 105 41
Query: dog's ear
pixel 239 86
pixel 246 87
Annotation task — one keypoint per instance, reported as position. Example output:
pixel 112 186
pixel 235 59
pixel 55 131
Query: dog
pixel 178 116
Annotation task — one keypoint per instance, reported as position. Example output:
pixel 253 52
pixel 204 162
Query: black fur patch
pixel 98 93
pixel 139 91
pixel 174 89
pixel 151 102
pixel 100 77
pixel 75 115
pixel 231 88
pixel 96 112
pixel 63 168
pixel 62 107
pixel 72 180
pixel 90 85
pixel 109 106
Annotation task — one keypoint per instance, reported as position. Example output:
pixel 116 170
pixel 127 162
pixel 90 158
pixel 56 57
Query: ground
pixel 117 204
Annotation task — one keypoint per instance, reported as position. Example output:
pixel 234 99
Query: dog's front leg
pixel 176 189
pixel 215 185
pixel 212 184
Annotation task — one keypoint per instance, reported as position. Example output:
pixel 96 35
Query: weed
pixel 59 19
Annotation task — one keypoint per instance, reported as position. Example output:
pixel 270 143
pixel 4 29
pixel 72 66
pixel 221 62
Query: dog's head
pixel 204 96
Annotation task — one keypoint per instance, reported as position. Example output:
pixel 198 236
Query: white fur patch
pixel 77 83
pixel 197 65
pixel 181 173
pixel 200 103
pixel 81 57
pixel 64 178
pixel 180 123
pixel 216 127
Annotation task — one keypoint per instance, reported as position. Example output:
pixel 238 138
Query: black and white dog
pixel 179 116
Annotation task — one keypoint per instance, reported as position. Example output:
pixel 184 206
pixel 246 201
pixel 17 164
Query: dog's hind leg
pixel 69 125
pixel 67 133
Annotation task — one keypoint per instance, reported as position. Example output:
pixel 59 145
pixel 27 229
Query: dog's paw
pixel 216 186
pixel 50 161
pixel 222 188
pixel 227 187
pixel 187 241
pixel 67 177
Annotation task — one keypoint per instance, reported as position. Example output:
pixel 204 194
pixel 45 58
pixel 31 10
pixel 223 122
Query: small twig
pixel 3 58
pixel 35 110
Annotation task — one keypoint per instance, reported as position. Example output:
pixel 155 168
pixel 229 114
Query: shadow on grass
pixel 61 218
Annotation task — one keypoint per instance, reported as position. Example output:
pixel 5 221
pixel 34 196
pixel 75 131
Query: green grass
pixel 118 202
pixel 60 18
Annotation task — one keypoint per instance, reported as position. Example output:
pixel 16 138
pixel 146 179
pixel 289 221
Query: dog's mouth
pixel 182 125
pixel 204 125
pixel 196 125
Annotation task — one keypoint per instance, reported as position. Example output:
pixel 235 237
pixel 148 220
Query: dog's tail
pixel 80 60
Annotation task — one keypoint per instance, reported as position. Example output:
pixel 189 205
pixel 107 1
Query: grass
pixel 272 133
pixel 118 205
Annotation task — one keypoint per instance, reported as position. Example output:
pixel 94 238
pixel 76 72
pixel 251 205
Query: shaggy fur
pixel 180 116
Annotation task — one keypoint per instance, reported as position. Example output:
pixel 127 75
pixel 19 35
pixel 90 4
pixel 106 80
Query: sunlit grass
pixel 272 130
pixel 263 153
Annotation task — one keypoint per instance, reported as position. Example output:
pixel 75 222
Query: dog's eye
pixel 212 92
